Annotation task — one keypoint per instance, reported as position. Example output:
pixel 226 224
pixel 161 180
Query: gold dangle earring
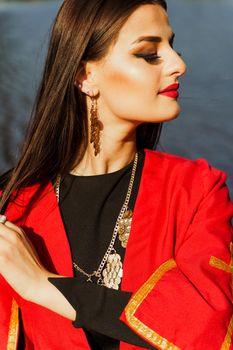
pixel 95 126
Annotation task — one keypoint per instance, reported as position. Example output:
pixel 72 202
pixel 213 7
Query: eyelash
pixel 152 57
pixel 148 58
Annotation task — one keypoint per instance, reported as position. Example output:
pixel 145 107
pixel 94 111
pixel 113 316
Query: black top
pixel 90 206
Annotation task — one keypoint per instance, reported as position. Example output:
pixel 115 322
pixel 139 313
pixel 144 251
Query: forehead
pixel 146 20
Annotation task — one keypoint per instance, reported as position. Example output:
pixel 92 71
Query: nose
pixel 176 65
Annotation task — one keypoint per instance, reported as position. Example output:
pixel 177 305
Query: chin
pixel 158 115
pixel 171 113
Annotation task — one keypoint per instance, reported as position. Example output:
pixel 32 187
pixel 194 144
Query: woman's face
pixel 130 77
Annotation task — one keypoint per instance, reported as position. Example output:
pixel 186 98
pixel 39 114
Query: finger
pixel 19 240
pixel 12 233
pixel 12 226
pixel 26 241
pixel 10 230
pixel 9 225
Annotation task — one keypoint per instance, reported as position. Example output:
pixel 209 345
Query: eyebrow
pixel 152 39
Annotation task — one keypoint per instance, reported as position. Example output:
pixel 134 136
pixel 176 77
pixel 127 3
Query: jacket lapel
pixel 44 226
pixel 142 255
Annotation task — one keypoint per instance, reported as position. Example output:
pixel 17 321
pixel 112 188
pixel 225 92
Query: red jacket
pixel 178 262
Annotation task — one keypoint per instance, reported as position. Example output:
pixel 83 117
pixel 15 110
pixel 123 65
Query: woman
pixel 89 183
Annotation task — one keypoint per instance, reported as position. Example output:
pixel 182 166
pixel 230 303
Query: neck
pixel 114 155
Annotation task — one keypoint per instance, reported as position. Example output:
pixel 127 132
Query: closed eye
pixel 150 58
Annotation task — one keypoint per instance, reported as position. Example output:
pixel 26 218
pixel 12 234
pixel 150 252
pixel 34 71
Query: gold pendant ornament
pixel 95 126
pixel 113 271
pixel 110 270
pixel 124 227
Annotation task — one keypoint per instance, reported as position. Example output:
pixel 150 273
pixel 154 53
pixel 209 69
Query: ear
pixel 85 79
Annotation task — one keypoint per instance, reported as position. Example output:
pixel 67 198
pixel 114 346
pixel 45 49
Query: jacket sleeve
pixel 98 309
pixel 187 302
pixel 9 321
pixel 9 309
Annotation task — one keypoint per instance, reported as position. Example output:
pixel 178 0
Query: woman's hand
pixel 22 269
pixel 19 262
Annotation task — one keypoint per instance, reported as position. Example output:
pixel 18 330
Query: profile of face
pixel 140 64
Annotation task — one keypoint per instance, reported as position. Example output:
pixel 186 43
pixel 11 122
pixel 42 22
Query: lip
pixel 172 94
pixel 173 87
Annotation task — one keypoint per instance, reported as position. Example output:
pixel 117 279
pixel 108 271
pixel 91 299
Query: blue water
pixel 204 35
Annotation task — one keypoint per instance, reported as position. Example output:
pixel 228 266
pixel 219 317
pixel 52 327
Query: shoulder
pixel 25 198
pixel 29 201
pixel 200 165
pixel 194 174
pixel 193 185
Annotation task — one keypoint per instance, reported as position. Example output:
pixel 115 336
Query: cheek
pixel 126 79
pixel 128 87
pixel 130 91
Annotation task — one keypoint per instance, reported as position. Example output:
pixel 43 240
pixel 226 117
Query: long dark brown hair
pixel 58 133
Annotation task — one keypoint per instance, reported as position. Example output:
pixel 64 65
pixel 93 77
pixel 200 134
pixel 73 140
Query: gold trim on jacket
pixel 13 327
pixel 143 330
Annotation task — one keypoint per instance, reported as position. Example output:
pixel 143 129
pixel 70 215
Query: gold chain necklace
pixel 111 275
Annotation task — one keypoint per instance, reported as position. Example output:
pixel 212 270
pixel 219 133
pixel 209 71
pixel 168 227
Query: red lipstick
pixel 170 91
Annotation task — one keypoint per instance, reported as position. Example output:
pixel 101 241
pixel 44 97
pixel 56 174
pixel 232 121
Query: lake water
pixel 204 35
